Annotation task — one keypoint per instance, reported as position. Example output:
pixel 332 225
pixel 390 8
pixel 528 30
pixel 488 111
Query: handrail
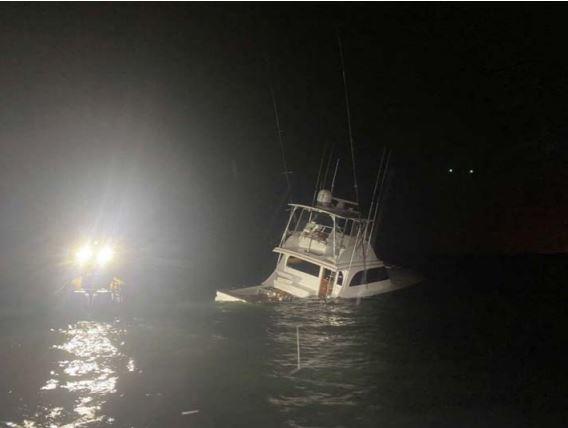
pixel 354 215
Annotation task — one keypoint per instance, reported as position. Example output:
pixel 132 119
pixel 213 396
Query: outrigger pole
pixel 278 129
pixel 352 150
pixel 378 206
pixel 376 187
pixel 348 111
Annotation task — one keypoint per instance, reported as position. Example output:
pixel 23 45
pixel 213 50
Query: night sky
pixel 153 123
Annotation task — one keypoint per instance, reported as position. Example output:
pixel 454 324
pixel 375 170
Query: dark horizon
pixel 155 124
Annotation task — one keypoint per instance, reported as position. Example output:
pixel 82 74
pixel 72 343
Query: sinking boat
pixel 325 252
pixel 326 248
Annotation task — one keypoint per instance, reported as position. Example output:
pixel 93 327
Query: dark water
pixel 440 354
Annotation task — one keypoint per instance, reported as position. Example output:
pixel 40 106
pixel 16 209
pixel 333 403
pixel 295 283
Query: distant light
pixel 105 255
pixel 84 254
pixel 451 170
pixel 471 171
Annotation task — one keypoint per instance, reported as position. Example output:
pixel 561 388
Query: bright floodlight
pixel 105 255
pixel 84 254
pixel 450 170
pixel 471 171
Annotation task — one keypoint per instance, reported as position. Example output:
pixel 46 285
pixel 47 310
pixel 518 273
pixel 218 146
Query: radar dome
pixel 324 197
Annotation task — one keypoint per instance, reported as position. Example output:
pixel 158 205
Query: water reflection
pixel 84 377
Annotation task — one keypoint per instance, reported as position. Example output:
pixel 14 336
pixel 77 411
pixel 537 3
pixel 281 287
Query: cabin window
pixel 339 279
pixel 370 275
pixel 303 266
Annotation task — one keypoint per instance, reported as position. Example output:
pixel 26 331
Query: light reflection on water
pixel 384 362
pixel 87 368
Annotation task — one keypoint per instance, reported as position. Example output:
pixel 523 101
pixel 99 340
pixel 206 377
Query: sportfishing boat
pixel 326 248
pixel 325 252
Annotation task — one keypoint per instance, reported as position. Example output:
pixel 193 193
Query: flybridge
pixel 326 230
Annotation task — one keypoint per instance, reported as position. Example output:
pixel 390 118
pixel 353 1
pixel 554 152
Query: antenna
pixel 330 156
pixel 334 175
pixel 316 189
pixel 278 129
pixel 355 186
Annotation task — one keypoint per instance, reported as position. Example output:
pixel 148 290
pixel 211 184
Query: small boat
pixel 94 284
pixel 325 252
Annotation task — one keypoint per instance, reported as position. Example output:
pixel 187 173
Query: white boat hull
pixel 273 291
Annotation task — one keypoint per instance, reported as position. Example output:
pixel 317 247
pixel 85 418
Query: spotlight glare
pixel 84 254
pixel 105 255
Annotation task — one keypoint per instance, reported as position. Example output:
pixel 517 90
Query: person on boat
pixel 116 290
